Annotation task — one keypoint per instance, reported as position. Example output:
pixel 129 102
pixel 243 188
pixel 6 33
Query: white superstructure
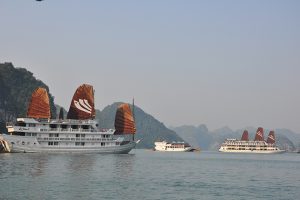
pixel 31 135
pixel 239 146
pixel 174 146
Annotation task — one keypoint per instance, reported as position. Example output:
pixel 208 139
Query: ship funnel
pixel 82 104
pixel 124 121
pixel 259 136
pixel 271 138
pixel 39 106
pixel 245 136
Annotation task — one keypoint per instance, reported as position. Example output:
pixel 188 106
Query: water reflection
pixel 38 164
pixel 123 165
pixel 80 162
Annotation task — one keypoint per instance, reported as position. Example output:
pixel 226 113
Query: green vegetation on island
pixel 16 87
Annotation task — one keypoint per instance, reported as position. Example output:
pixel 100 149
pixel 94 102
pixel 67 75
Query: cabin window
pixel 64 126
pixel 19 133
pixel 79 143
pixel 55 143
pixel 50 143
pixel 85 127
pixel 77 135
pixel 31 125
pixel 74 126
pixel 21 124
pixel 53 125
pixel 102 144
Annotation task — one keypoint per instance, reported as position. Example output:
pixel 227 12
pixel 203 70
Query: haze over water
pixel 149 175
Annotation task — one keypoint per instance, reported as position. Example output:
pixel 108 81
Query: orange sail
pixel 259 136
pixel 271 138
pixel 245 136
pixel 82 104
pixel 39 106
pixel 124 121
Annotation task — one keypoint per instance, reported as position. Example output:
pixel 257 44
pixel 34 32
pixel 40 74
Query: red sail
pixel 82 104
pixel 245 136
pixel 259 136
pixel 39 106
pixel 271 138
pixel 124 122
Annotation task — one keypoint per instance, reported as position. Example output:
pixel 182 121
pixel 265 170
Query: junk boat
pixel 78 133
pixel 259 145
pixel 174 146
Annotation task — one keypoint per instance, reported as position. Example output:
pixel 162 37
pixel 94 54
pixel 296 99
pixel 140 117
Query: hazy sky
pixel 221 63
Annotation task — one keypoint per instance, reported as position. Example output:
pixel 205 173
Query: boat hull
pixel 23 148
pixel 175 150
pixel 253 151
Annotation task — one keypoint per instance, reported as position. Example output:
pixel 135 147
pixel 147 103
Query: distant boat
pixel 173 146
pixel 79 133
pixel 258 145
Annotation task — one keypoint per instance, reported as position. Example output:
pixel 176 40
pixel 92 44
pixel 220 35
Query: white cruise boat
pixel 258 145
pixel 79 133
pixel 174 146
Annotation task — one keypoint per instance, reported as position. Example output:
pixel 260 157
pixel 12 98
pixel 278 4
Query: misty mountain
pixel 196 136
pixel 148 128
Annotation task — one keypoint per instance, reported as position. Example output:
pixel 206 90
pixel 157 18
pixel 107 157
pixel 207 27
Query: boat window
pixel 53 125
pixel 74 126
pixel 18 133
pixel 85 127
pixel 79 143
pixel 50 143
pixel 31 125
pixel 102 144
pixel 64 126
pixel 21 124
pixel 55 143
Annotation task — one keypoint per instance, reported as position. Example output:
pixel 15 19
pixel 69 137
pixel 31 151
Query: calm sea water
pixel 144 174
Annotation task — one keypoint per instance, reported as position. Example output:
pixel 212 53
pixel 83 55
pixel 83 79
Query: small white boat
pixel 174 146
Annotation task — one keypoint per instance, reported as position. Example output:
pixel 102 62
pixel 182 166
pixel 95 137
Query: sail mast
pixel 133 116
